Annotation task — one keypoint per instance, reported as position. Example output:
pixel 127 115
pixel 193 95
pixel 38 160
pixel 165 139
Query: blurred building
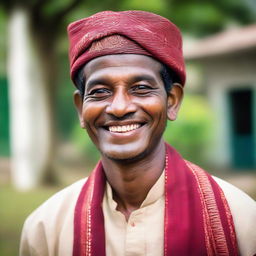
pixel 228 62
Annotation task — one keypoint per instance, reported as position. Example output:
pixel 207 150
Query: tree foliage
pixel 192 132
pixel 199 17
pixel 202 17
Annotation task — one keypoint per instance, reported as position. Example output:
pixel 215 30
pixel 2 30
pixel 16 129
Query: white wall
pixel 221 75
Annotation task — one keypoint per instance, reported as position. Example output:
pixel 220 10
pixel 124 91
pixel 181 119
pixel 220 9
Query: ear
pixel 78 100
pixel 175 97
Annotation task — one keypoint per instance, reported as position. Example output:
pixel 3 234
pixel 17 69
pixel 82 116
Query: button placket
pixel 135 234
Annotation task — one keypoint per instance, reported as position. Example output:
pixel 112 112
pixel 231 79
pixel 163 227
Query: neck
pixel 132 181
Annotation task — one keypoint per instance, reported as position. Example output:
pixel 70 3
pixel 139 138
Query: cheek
pixel 90 113
pixel 156 107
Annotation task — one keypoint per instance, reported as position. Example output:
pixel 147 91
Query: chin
pixel 124 154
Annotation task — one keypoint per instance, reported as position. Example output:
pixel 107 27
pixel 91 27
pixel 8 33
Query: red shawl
pixel 197 217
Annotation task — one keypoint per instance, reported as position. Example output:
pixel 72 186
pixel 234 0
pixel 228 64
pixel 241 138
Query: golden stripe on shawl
pixel 211 209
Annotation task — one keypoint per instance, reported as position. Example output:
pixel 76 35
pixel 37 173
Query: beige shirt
pixel 143 234
pixel 49 229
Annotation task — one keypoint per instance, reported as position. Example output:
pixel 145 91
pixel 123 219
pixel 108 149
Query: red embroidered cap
pixel 134 32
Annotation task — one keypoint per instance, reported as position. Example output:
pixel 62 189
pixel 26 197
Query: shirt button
pixel 132 224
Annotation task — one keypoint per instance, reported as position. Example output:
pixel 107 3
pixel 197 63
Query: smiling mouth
pixel 124 128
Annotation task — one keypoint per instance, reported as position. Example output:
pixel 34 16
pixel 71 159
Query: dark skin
pixel 125 110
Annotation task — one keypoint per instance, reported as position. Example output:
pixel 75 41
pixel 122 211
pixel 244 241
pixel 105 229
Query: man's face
pixel 125 105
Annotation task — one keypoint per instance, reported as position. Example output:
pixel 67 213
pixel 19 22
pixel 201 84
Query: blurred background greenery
pixel 74 154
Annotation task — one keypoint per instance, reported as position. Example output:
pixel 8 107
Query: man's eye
pixel 100 92
pixel 141 88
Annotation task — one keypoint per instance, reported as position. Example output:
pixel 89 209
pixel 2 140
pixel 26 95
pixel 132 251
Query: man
pixel 142 198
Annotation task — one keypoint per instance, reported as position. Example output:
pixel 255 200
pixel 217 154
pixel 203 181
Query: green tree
pixel 191 133
pixel 34 32
pixel 199 17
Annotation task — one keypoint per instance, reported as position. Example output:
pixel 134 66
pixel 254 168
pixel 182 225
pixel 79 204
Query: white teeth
pixel 124 128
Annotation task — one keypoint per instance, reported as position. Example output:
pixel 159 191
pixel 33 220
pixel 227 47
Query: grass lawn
pixel 15 207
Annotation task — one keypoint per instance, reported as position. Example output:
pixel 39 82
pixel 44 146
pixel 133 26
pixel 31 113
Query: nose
pixel 121 104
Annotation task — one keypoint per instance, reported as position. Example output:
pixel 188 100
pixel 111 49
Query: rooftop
pixel 229 41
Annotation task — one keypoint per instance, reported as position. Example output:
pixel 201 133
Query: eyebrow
pixel 96 81
pixel 106 81
pixel 142 78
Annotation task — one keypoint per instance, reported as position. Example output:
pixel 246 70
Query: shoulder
pixel 243 210
pixel 51 223
pixel 66 198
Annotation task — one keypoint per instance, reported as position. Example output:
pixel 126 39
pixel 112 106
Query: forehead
pixel 124 62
